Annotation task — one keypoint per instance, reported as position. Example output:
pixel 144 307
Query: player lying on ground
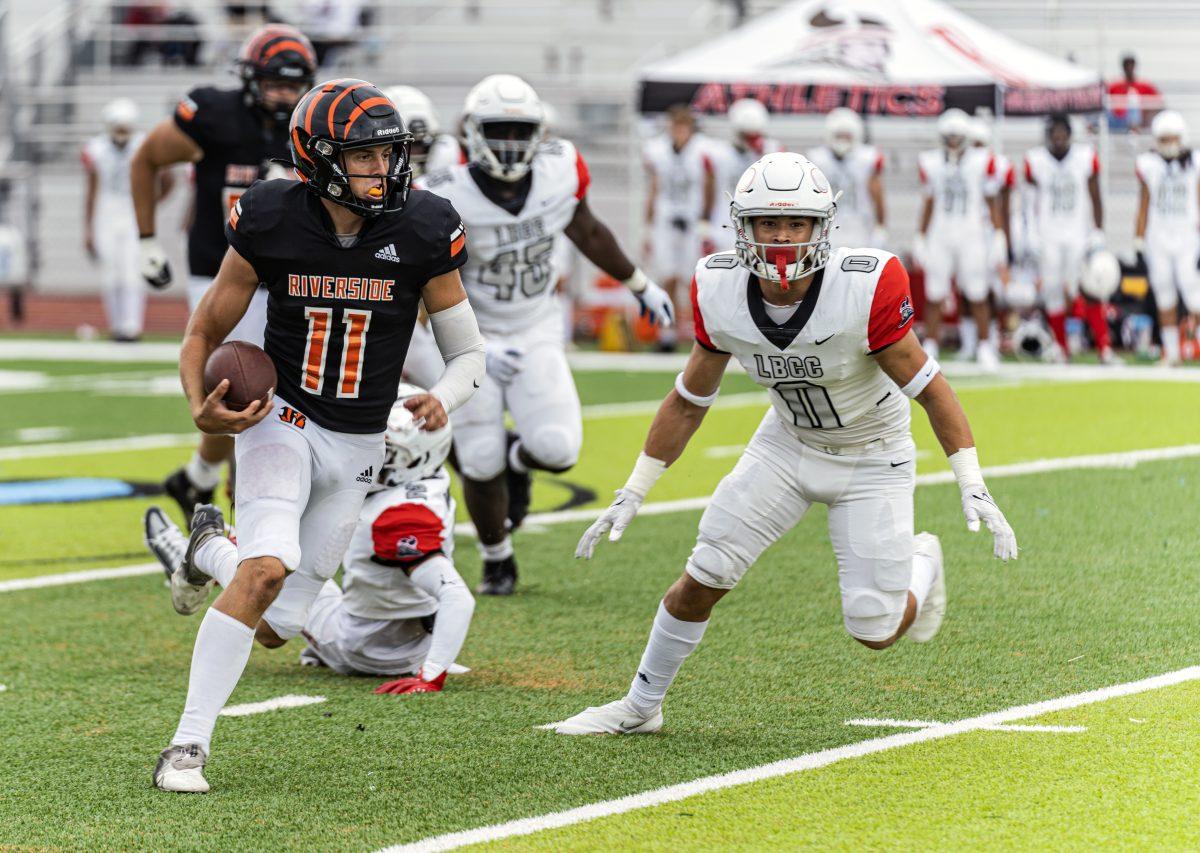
pixel 398 571
pixel 347 254
pixel 830 336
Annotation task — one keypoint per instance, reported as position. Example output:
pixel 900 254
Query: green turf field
pixel 95 673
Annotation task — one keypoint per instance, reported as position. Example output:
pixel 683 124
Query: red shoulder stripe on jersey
pixel 891 308
pixel 584 176
pixel 921 174
pixel 1028 172
pixel 698 329
pixel 1010 178
pixel 991 167
pixel 879 164
pixel 86 159
pixel 706 161
pixel 1095 163
pixel 406 532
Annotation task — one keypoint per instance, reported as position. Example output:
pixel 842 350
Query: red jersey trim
pixel 584 176
pixel 406 532
pixel 700 332
pixel 1029 173
pixel 891 308
pixel 879 164
pixel 1095 163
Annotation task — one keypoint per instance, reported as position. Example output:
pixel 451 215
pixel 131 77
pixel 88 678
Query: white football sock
pixel 222 648
pixel 218 559
pixel 969 336
pixel 1170 339
pixel 502 550
pixel 671 641
pixel 514 458
pixel 923 572
pixel 203 475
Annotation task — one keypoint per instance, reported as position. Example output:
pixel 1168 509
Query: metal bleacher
pixel 581 56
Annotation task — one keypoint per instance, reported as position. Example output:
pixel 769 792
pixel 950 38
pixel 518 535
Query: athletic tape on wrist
pixel 636 282
pixel 965 465
pixel 645 474
pixel 924 376
pixel 694 399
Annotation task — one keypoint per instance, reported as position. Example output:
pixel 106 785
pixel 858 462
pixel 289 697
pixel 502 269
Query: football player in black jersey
pixel 346 255
pixel 231 135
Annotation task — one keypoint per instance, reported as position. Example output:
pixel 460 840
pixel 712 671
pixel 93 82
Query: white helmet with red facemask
pixel 783 184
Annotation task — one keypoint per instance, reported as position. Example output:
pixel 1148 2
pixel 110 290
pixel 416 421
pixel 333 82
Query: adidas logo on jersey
pixel 388 253
pixel 367 476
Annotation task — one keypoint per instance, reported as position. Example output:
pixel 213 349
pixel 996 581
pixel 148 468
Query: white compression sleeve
pixel 461 345
pixel 456 605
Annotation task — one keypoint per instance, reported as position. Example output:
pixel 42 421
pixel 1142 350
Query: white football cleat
pixel 167 543
pixel 929 620
pixel 180 769
pixel 986 357
pixel 615 718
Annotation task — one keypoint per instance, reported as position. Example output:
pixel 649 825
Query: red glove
pixel 412 684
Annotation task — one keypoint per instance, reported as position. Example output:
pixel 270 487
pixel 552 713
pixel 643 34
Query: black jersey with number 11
pixel 339 320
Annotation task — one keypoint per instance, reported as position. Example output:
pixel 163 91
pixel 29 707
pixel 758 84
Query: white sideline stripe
pixel 926 724
pixel 276 704
pixel 67 578
pixel 100 445
pixel 1126 459
pixel 810 761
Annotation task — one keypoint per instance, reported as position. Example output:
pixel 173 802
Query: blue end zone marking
pixel 67 490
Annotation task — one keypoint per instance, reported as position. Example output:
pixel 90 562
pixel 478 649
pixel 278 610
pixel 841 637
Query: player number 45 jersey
pixel 510 274
pixel 816 366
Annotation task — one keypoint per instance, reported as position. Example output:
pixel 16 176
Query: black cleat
pixel 518 491
pixel 499 577
pixel 181 489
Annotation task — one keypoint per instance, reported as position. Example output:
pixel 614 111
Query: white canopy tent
pixel 912 58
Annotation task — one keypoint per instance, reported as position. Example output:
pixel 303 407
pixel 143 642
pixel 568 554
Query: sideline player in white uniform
pixel 959 186
pixel 680 196
pixel 346 253
pixel 109 227
pixel 997 251
pixel 1168 224
pixel 398 569
pixel 830 336
pixel 855 170
pixel 750 122
pixel 1065 176
pixel 517 196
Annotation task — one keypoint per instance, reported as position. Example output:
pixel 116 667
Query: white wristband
pixel 694 399
pixel 636 282
pixel 965 464
pixel 646 472
pixel 924 376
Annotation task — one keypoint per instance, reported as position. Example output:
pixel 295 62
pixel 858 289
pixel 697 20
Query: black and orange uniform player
pixel 346 255
pixel 232 136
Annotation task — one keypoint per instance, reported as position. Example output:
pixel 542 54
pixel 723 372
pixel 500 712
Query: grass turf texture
pixel 97 673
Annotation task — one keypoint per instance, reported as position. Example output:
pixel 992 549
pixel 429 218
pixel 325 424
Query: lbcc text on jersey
pixel 339 319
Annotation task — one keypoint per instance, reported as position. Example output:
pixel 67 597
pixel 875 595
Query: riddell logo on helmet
pixel 781 204
pixel 387 130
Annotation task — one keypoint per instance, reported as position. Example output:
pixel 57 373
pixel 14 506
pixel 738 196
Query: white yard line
pixel 810 761
pixel 100 445
pixel 276 704
pixel 1123 460
pixel 926 724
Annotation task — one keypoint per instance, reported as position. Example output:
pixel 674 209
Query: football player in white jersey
pixel 398 570
pixel 959 186
pixel 830 336
pixel 750 121
pixel 680 196
pixel 1168 224
pixel 1065 176
pixel 423 122
pixel 1005 178
pixel 855 170
pixel 109 227
pixel 518 196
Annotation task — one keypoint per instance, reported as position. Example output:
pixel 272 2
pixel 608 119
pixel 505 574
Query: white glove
pixel 612 521
pixel 1096 240
pixel 656 303
pixel 998 251
pixel 155 268
pixel 920 251
pixel 503 362
pixel 978 505
pixel 1139 245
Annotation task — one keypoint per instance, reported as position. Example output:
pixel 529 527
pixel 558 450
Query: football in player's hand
pixel 250 372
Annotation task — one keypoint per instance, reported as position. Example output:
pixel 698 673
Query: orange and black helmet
pixel 338 116
pixel 275 52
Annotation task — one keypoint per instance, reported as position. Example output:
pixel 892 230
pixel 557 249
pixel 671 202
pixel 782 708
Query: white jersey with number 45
pixel 817 365
pixel 509 274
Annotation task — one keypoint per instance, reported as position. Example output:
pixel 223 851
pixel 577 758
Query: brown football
pixel 250 372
